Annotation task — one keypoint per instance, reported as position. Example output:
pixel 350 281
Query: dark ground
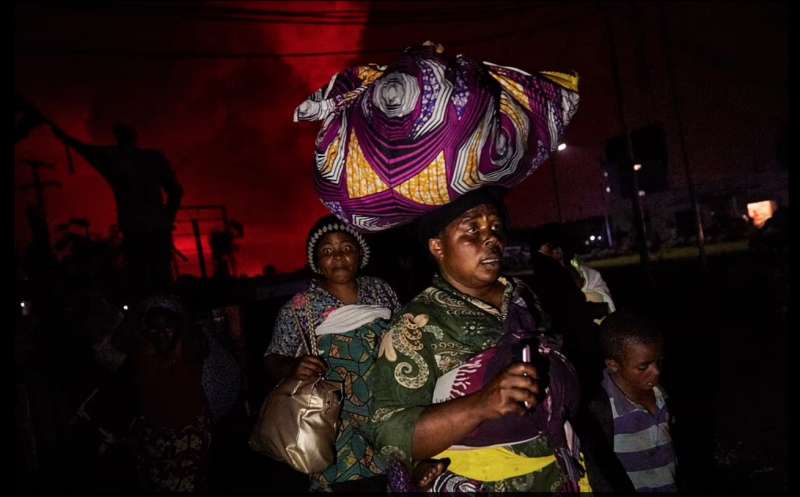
pixel 724 367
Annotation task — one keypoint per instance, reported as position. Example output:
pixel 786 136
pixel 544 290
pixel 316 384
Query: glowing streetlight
pixel 562 146
pixel 637 167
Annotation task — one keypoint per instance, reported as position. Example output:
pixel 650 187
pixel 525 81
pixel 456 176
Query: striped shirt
pixel 642 441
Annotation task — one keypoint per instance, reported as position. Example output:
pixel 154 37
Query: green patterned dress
pixel 437 331
pixel 349 357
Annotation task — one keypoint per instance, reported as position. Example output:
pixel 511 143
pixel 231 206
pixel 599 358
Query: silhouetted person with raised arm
pixel 139 179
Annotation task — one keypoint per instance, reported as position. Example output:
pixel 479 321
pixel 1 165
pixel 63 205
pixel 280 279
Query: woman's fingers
pixel 514 391
pixel 314 363
pixel 309 367
pixel 523 369
pixel 524 396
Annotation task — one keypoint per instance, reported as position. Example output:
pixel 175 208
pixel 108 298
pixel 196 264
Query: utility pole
pixel 676 107
pixel 199 243
pixel 196 231
pixel 39 225
pixel 553 172
pixel 606 189
pixel 638 215
pixel 38 185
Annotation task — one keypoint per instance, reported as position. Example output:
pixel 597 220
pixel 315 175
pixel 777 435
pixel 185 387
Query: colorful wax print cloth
pixel 440 331
pixel 308 309
pixel 398 141
pixel 173 460
pixel 221 379
pixel 349 356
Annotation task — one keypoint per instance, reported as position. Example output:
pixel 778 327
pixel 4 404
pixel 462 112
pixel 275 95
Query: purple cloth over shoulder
pixel 557 376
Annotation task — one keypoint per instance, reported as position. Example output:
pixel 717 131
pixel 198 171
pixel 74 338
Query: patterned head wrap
pixel 401 140
pixel 332 224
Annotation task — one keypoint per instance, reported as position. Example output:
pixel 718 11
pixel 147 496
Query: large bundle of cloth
pixel 398 141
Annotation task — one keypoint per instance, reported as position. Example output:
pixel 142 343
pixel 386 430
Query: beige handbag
pixel 299 420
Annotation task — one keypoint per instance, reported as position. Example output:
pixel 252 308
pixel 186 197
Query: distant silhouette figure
pixel 768 242
pixel 269 271
pixel 138 177
pixel 223 246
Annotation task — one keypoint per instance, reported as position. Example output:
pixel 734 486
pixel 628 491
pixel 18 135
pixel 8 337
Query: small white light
pixel 22 304
pixel 562 146
pixel 599 237
pixel 641 193
pixel 608 189
pixel 636 167
pixel 124 307
pixel 587 242
pixel 592 238
pixel 605 173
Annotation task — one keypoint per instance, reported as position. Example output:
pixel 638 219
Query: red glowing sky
pixel 202 83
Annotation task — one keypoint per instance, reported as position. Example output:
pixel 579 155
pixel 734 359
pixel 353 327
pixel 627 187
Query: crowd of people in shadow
pixel 146 396
pixel 457 378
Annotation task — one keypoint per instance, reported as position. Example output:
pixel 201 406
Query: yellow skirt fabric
pixel 498 463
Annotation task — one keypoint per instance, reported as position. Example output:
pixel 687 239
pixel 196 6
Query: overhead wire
pixel 379 15
pixel 49 51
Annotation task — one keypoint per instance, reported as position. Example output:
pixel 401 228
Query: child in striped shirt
pixel 630 444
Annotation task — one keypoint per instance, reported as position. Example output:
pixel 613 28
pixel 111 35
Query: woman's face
pixel 162 330
pixel 338 257
pixel 469 251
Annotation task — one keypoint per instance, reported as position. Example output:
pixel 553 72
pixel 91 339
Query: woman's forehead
pixel 337 236
pixel 477 211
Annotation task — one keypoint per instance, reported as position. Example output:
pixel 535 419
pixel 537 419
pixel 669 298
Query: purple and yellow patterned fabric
pixel 398 141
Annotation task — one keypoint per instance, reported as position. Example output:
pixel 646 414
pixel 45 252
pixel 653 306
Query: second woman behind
pixel 346 315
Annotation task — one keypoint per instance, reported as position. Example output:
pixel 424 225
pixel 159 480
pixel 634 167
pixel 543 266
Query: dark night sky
pixel 202 83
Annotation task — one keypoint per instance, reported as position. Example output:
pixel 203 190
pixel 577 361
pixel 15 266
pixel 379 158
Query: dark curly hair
pixel 622 328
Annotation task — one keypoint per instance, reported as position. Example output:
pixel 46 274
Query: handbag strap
pixel 306 335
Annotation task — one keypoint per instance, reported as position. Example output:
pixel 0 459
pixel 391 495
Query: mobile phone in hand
pixel 526 358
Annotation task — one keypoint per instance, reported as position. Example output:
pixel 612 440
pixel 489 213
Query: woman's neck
pixel 491 294
pixel 346 292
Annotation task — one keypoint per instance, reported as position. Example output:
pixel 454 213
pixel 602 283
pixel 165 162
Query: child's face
pixel 639 370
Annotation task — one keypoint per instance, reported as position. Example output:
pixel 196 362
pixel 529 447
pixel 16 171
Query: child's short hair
pixel 624 327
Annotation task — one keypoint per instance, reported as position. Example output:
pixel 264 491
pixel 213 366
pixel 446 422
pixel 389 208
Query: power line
pixel 44 51
pixel 366 20
pixel 379 15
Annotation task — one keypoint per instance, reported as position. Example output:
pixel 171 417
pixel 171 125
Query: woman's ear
pixel 435 248
pixel 612 365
